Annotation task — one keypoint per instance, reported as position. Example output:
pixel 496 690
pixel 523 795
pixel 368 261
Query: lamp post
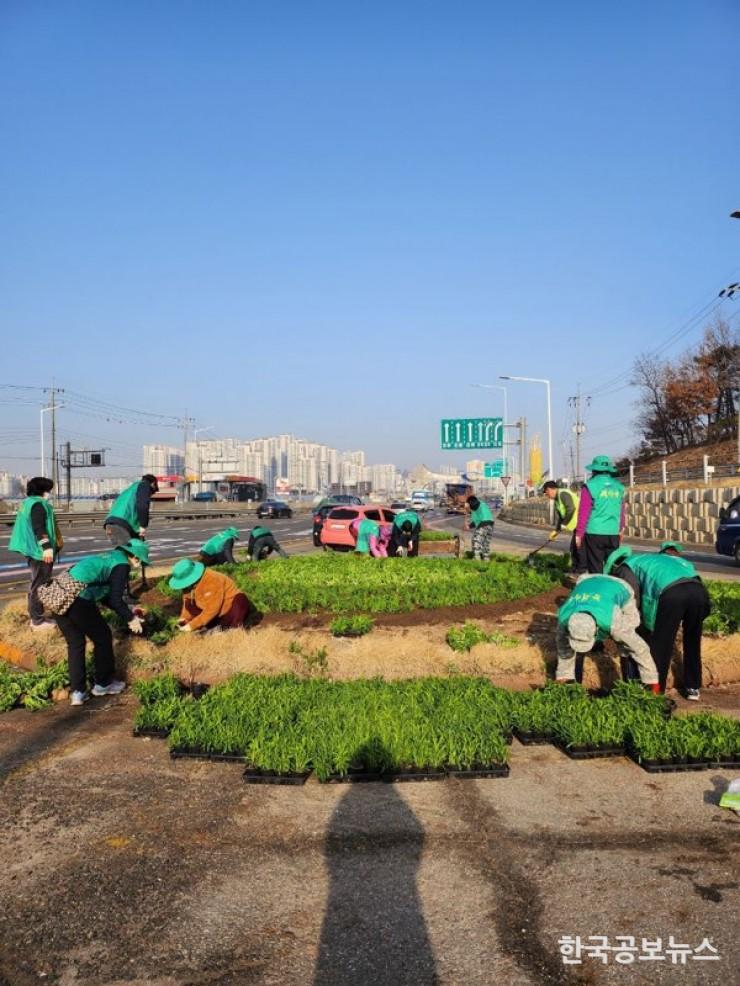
pixel 736 215
pixel 550 471
pixel 498 386
pixel 42 412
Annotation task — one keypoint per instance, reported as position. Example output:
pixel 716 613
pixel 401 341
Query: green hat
pixel 139 549
pixel 602 463
pixel 671 544
pixel 186 573
pixel 232 532
pixel 616 558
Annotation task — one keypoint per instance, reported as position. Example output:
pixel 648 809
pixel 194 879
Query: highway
pixel 169 540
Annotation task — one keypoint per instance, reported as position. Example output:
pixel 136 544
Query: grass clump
pixel 351 626
pixel 465 637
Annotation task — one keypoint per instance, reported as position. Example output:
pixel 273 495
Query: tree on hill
pixel 693 400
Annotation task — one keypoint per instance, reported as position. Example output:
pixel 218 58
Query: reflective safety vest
pixel 562 509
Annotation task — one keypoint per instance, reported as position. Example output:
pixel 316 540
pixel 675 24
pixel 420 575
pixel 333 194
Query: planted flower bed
pixel 31 689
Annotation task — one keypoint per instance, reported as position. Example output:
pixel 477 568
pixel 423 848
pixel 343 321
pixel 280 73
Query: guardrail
pixel 159 511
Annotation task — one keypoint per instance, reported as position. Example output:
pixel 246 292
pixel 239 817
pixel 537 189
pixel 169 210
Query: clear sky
pixel 331 218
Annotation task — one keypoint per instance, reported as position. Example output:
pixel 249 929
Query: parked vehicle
pixel 335 532
pixel 208 496
pixel 728 531
pixel 400 505
pixel 274 509
pixel 319 516
pixel 422 500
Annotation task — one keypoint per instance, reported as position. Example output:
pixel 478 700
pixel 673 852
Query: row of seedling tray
pixel 284 727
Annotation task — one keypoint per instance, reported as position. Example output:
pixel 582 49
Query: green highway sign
pixel 494 470
pixel 464 433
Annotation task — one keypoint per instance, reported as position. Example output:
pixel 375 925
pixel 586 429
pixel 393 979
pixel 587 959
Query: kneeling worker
pixel 601 606
pixel 670 594
pixel 210 600
pixel 262 543
pixel 405 534
pixel 219 550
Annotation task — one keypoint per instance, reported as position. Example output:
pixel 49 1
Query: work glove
pixel 553 535
pixel 136 625
pixel 142 532
pixel 138 611
pixel 185 627
pixel 48 556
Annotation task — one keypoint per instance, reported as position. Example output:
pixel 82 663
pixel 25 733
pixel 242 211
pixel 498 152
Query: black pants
pixel 120 534
pixel 225 557
pixel 577 556
pixel 261 547
pixel 597 548
pixel 683 604
pixel 40 575
pixel 400 539
pixel 83 619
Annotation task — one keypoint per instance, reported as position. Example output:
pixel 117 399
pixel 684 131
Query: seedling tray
pixel 189 753
pixel 151 731
pixel 253 775
pixel 353 776
pixel 533 739
pixel 590 753
pixel 732 763
pixel 674 767
pixel 414 774
pixel 227 757
pixel 478 771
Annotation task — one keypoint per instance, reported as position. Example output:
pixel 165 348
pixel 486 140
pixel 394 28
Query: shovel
pixel 529 560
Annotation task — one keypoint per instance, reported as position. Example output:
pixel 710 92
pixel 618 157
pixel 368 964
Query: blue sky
pixel 331 218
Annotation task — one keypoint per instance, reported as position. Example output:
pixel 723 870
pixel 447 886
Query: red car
pixel 335 532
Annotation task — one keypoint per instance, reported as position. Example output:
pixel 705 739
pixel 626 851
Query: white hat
pixel 582 632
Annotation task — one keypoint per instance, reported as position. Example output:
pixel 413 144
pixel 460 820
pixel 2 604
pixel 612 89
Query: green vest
pixel 22 539
pixel 215 545
pixel 596 595
pixel 124 507
pixel 655 573
pixel 95 572
pixel 258 532
pixel 606 513
pixel 400 519
pixel 366 530
pixel 562 509
pixel 481 515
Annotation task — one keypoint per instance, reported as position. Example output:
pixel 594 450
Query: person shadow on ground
pixel 374 932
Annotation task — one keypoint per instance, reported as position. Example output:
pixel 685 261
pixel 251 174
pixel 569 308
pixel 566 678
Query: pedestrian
pixel 670 594
pixel 36 536
pixel 262 543
pixel 600 514
pixel 405 534
pixel 371 538
pixel 481 524
pixel 566 509
pixel 219 549
pixel 105 578
pixel 210 600
pixel 129 515
pixel 598 607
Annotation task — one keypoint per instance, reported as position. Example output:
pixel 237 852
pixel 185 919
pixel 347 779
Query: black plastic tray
pixel 594 754
pixel 726 764
pixel 151 732
pixel 533 739
pixel 253 775
pixel 669 768
pixel 479 771
pixel 188 753
pixel 412 774
pixel 354 777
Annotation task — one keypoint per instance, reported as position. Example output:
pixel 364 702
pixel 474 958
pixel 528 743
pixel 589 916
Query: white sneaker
pixel 114 688
pixel 692 694
pixel 46 625
pixel 79 698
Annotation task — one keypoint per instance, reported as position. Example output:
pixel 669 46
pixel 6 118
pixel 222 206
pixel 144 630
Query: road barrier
pixel 170 512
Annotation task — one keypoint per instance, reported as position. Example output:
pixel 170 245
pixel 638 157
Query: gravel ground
pixel 120 866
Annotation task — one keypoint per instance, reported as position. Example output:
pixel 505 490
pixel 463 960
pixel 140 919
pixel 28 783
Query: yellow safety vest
pixel 560 507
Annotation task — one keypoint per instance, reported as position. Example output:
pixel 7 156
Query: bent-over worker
pixel 371 537
pixel 210 599
pixel 601 606
pixel 670 593
pixel 262 542
pixel 129 516
pixel 219 549
pixel 405 534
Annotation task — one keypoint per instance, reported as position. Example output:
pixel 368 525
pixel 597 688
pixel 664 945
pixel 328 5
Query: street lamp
pixel 550 472
pixel 42 411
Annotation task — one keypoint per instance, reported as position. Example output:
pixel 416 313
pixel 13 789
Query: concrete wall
pixel 689 515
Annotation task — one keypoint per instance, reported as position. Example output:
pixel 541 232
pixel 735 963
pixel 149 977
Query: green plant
pixel 351 626
pixel 31 689
pixel 312 661
pixel 469 634
pixel 437 536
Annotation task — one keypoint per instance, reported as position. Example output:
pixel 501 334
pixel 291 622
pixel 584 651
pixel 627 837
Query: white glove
pixel 48 556
pixel 185 627
pixel 136 625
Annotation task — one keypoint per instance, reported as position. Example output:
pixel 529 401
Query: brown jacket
pixel 210 598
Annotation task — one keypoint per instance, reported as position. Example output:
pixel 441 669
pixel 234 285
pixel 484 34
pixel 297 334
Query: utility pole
pixel 579 427
pixel 68 459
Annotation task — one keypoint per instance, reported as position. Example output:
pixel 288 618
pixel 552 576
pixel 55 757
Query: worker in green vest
pixel 262 543
pixel 104 578
pixel 601 606
pixel 219 549
pixel 129 516
pixel 36 536
pixel 480 522
pixel 670 594
pixel 405 533
pixel 371 538
pixel 566 511
pixel 600 514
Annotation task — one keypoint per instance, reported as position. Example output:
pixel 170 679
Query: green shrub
pixel 437 536
pixel 351 626
pixel 725 616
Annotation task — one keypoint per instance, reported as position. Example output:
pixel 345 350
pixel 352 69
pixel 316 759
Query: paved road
pixel 512 537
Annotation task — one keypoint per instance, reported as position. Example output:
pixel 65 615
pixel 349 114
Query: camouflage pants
pixel 482 542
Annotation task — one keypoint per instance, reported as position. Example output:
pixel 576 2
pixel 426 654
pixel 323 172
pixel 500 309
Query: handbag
pixel 59 593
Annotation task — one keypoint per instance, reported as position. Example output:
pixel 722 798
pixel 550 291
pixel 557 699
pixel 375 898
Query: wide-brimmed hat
pixel 616 558
pixel 582 632
pixel 139 549
pixel 666 545
pixel 602 463
pixel 232 532
pixel 186 573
